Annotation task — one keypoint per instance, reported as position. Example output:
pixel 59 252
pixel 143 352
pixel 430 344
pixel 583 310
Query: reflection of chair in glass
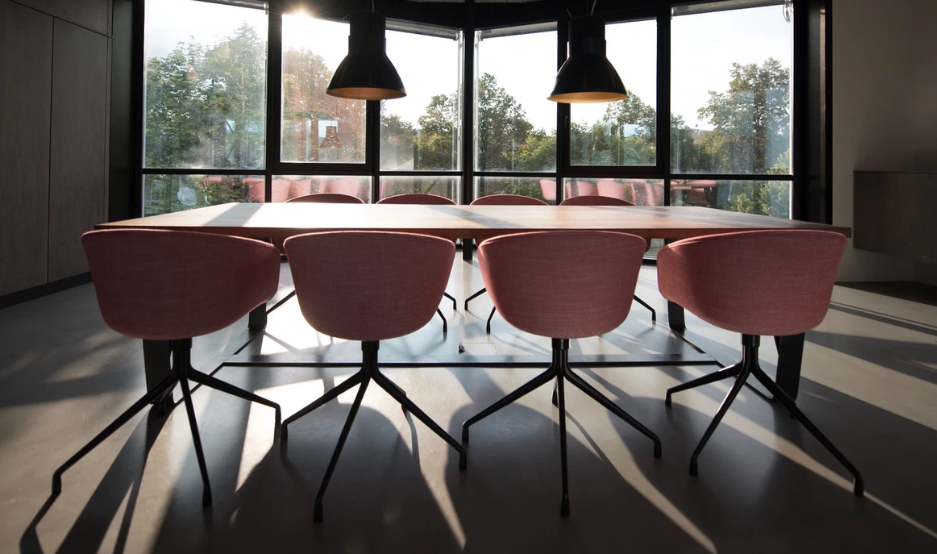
pixel 608 201
pixel 500 200
pixel 699 191
pixel 647 194
pixel 339 296
pixel 341 186
pixel 173 286
pixel 255 189
pixel 620 189
pixel 523 273
pixel 754 283
pixel 581 188
pixel 548 190
pixel 425 200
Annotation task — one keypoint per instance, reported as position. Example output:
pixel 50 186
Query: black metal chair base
pixel 559 369
pixel 646 305
pixel 474 296
pixel 750 366
pixel 182 372
pixel 370 371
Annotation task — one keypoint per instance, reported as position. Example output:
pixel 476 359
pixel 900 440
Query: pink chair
pixel 581 188
pixel 548 190
pixel 615 189
pixel 341 186
pixel 333 275
pixel 425 200
pixel 754 283
pixel 500 200
pixel 609 201
pixel 172 286
pixel 523 273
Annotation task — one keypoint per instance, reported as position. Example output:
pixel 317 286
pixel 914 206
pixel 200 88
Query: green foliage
pixel 625 135
pixel 205 106
pixel 751 119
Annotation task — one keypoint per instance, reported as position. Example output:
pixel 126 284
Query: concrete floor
pixel 765 485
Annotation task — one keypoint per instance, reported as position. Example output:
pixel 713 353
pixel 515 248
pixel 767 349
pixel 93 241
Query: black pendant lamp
pixel 366 73
pixel 587 75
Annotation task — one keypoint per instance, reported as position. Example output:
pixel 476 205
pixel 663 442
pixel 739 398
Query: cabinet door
pixel 79 145
pixel 25 95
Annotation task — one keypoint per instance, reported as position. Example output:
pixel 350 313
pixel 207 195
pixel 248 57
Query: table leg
pixel 467 247
pixel 257 319
pixel 157 363
pixel 676 317
pixel 790 357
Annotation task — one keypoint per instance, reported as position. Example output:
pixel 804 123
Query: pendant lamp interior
pixel 366 73
pixel 587 75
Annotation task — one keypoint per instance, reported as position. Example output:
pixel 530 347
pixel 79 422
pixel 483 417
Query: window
pixel 625 132
pixel 442 185
pixel 537 187
pixel 206 76
pixel 755 197
pixel 317 127
pixel 287 187
pixel 174 193
pixel 731 91
pixel 423 130
pixel 515 123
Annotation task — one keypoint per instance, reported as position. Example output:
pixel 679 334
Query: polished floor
pixel 765 485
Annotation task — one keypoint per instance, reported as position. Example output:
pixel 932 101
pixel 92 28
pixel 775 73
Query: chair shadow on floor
pixel 743 484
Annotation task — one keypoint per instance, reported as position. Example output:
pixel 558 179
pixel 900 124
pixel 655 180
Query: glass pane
pixel 447 186
pixel 515 123
pixel 754 197
pixel 422 131
pixel 544 189
pixel 640 192
pixel 625 132
pixel 175 193
pixel 206 82
pixel 731 92
pixel 317 127
pixel 286 187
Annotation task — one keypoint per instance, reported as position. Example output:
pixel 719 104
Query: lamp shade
pixel 366 73
pixel 587 75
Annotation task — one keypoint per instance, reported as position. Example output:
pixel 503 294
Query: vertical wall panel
pixel 25 97
pixel 92 14
pixel 79 144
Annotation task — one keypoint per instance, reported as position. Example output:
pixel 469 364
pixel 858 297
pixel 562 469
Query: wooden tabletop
pixel 275 220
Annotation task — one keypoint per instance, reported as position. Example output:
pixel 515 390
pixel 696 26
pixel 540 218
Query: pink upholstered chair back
pixel 327 198
pixel 548 189
pixel 508 200
pixel 369 286
pixel 594 201
pixel 341 186
pixel 756 282
pixel 166 285
pixel 581 188
pixel 615 189
pixel 562 284
pixel 423 199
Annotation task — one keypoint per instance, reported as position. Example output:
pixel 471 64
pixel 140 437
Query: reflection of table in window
pixel 700 192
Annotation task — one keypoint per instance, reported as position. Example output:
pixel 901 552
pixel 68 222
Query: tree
pixel 435 144
pixel 503 127
pixel 751 119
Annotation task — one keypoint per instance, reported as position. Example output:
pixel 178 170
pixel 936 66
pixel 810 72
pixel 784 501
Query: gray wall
pixel 55 67
pixel 884 110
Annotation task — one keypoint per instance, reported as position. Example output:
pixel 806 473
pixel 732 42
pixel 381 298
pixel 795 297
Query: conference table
pixel 279 221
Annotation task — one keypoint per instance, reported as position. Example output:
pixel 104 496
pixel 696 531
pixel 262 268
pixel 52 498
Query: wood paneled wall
pixel 54 68
pixel 25 98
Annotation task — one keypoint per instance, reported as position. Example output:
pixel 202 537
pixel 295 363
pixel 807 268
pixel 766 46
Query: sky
pixel 703 48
